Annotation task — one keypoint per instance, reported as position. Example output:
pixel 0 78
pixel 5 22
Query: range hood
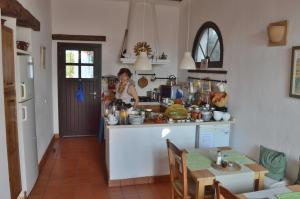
pixel 141 12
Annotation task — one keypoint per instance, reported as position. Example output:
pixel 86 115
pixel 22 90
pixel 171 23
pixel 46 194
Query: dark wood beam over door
pixel 12 8
pixel 78 37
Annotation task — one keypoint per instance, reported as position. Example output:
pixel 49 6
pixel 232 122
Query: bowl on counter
pixel 226 116
pixel 218 115
pixel 136 119
pixel 115 122
pixel 132 111
pixel 112 120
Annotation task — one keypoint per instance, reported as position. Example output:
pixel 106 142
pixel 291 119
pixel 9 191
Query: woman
pixel 125 88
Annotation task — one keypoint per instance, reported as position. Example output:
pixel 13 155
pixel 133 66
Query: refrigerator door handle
pixel 23 90
pixel 24 115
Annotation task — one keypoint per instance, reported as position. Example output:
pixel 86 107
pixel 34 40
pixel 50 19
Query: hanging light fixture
pixel 142 61
pixel 187 62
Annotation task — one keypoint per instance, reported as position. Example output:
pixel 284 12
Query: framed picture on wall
pixel 43 57
pixel 295 73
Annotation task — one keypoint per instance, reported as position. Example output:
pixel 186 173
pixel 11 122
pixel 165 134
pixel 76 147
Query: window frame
pixel 79 64
pixel 211 64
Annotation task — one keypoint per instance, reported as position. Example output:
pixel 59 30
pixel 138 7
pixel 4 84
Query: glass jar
pixel 123 117
pixel 196 114
pixel 148 113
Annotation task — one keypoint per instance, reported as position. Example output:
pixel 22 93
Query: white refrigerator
pixel 26 122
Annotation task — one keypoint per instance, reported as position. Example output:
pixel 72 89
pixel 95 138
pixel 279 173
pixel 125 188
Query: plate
pixel 143 82
pixel 233 168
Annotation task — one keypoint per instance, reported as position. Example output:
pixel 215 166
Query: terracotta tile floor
pixel 76 170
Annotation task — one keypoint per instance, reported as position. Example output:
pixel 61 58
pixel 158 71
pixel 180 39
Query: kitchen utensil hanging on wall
pixel 153 78
pixel 143 82
pixel 124 52
pixel 172 80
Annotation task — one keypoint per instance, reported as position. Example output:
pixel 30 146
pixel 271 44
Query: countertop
pixel 149 103
pixel 232 121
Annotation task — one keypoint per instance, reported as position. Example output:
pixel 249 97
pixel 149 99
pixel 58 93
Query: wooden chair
pixel 222 192
pixel 181 186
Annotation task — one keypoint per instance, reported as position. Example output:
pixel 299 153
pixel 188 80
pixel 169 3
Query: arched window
pixel 208 44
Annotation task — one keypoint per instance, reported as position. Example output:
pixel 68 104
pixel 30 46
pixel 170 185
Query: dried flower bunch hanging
pixel 142 47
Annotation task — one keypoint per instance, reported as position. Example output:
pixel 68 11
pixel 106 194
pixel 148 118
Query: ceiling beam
pixel 78 37
pixel 13 8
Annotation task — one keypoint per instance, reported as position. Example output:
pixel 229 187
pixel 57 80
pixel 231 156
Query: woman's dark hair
pixel 125 70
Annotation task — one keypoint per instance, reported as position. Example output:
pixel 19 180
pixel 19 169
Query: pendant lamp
pixel 187 62
pixel 142 61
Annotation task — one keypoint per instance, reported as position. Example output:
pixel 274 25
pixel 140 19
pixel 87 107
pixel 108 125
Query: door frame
pixel 60 47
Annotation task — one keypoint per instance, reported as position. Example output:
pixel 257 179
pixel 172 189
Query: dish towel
pixel 79 95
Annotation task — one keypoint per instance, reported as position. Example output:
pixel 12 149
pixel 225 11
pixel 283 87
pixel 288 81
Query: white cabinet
pixel 217 135
pixel 134 151
pixel 139 151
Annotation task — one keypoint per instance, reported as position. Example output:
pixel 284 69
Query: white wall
pixel 258 75
pixel 43 86
pixel 4 176
pixel 109 18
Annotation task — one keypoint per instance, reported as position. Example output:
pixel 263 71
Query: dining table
pixel 199 166
pixel 284 192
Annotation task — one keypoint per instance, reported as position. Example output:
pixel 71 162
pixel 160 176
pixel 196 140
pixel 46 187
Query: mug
pixel 226 116
pixel 166 100
pixel 218 115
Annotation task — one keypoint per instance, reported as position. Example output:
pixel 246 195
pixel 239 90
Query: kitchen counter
pixel 138 153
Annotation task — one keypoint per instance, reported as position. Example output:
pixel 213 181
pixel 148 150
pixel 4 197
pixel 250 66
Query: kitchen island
pixel 137 154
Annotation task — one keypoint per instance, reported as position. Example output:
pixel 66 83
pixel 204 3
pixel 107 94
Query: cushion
pixel 270 183
pixel 274 162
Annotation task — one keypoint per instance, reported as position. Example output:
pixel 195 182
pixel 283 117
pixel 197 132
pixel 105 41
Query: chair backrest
pixel 178 169
pixel 222 192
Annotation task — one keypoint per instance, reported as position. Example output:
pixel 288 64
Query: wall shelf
pixel 23 52
pixel 153 61
pixel 208 71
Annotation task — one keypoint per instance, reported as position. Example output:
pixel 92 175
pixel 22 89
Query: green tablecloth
pixel 198 159
pixel 292 195
pixel 234 156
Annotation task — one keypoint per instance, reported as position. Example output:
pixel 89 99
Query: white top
pixel 124 96
pixel 171 124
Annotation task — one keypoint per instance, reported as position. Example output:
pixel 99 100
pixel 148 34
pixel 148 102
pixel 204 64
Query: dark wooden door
pixel 10 104
pixel 79 65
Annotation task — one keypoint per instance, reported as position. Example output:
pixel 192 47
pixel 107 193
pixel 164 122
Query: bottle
pixel 219 158
pixel 142 112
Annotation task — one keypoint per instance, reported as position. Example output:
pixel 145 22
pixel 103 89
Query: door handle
pixel 23 90
pixel 24 116
pixel 94 93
